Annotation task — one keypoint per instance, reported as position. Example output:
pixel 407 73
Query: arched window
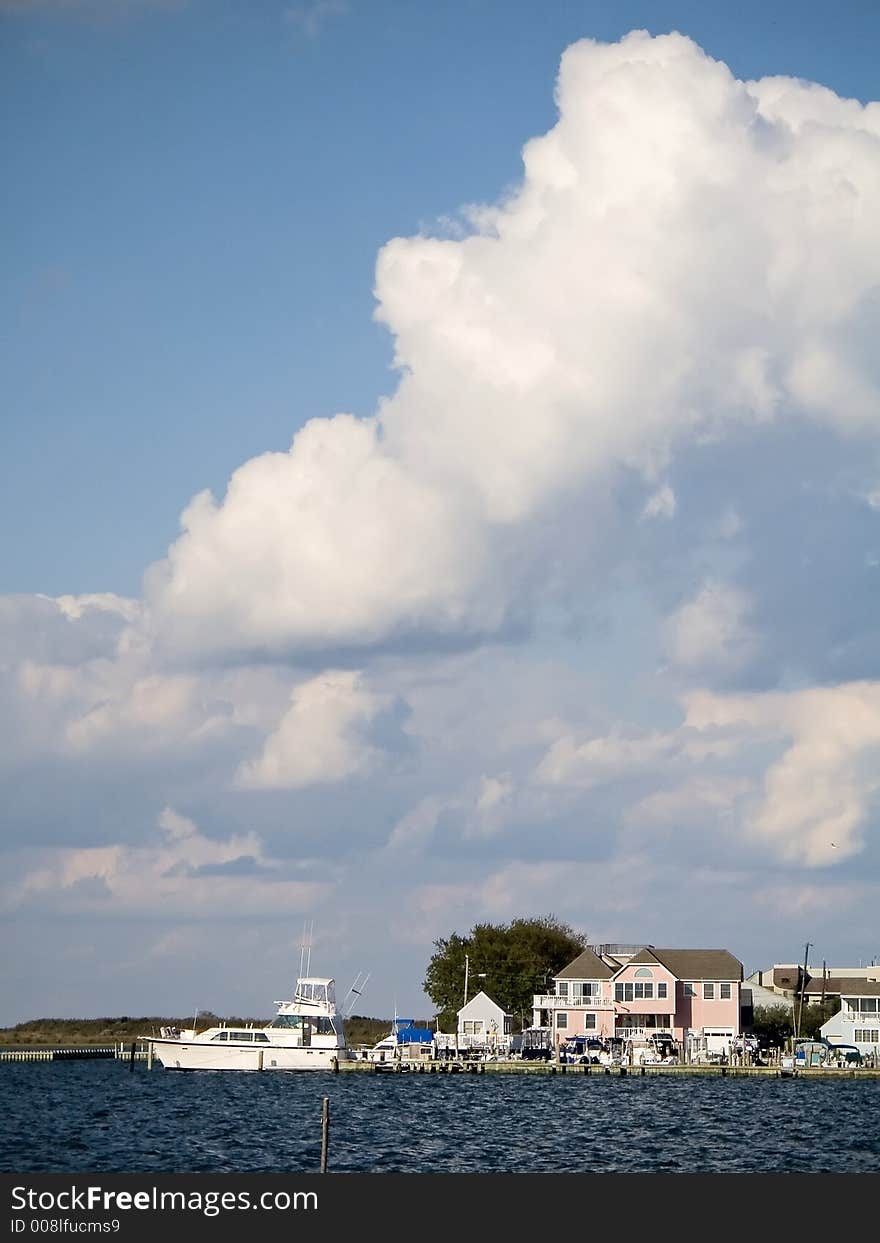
pixel 644 973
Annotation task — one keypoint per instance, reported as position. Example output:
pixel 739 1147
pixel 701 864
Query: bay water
pixel 96 1116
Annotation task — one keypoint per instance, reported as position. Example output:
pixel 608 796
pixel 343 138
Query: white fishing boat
pixel 307 1033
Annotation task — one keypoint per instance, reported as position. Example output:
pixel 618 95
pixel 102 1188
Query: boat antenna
pixel 305 948
pixel 195 1016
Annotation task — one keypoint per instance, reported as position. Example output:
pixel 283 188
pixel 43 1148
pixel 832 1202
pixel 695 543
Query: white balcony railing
pixel 550 1001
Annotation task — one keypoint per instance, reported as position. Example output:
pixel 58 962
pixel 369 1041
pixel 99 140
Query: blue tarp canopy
pixel 407 1034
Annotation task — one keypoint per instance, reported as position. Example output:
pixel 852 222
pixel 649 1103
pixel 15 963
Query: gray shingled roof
pixel 587 966
pixel 694 964
pixel 844 986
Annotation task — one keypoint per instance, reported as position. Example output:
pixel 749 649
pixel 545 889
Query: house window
pixel 644 973
pixel 661 990
pixel 725 992
pixel 562 988
pixel 623 992
pixel 708 992
pixel 867 1035
pixel 689 990
pixel 643 991
pixel 562 1019
pixel 589 1022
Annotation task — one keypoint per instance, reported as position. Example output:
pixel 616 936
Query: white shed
pixel 483 1024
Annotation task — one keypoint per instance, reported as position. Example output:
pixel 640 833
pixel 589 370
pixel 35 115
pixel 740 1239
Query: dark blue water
pixel 83 1117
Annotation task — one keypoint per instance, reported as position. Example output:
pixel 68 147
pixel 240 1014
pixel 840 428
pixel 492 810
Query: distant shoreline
pixel 44 1033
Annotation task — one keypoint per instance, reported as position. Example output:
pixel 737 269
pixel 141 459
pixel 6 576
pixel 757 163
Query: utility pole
pixel 466 966
pixel 797 1029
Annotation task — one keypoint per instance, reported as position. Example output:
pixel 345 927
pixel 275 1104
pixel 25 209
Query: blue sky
pixel 198 195
pixel 584 595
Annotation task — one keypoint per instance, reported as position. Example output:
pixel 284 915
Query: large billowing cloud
pixel 686 253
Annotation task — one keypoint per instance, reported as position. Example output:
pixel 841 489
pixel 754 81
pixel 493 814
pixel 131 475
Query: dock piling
pixel 325 1132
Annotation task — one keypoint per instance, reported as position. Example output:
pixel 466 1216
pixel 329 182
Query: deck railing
pixel 550 1001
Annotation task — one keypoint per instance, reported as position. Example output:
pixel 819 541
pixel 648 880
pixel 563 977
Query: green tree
pixel 814 1014
pixel 773 1024
pixel 510 962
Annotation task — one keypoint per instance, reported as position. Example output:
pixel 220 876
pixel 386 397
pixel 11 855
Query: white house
pixel 858 1019
pixel 483 1024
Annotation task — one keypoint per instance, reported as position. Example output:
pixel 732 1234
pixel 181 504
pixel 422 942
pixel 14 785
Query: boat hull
pixel 190 1055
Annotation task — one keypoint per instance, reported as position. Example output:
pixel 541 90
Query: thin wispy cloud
pixel 311 19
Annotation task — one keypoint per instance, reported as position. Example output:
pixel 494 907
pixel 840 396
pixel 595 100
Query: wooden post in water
pixel 325 1132
pixel 150 1056
pixel 131 1055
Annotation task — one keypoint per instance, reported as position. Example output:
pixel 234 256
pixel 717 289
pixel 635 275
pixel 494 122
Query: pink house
pixel 634 992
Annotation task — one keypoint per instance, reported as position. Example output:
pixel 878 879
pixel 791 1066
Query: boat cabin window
pixel 261 1036
pixel 317 993
pixel 241 1035
pixel 221 1036
pixel 287 1020
pixel 319 1024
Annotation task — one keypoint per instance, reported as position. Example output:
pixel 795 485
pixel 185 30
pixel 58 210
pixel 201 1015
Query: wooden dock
pixel 142 1051
pixel 73 1053
pixel 620 1072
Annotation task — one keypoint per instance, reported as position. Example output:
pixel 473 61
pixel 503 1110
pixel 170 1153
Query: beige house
pixel 785 982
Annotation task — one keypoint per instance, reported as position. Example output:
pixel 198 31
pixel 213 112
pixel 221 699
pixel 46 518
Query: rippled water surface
pixel 81 1117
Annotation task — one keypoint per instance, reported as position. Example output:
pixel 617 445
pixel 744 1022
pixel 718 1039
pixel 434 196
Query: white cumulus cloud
pixel 180 873
pixel 816 797
pixel 712 630
pixel 320 739
pixel 686 253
